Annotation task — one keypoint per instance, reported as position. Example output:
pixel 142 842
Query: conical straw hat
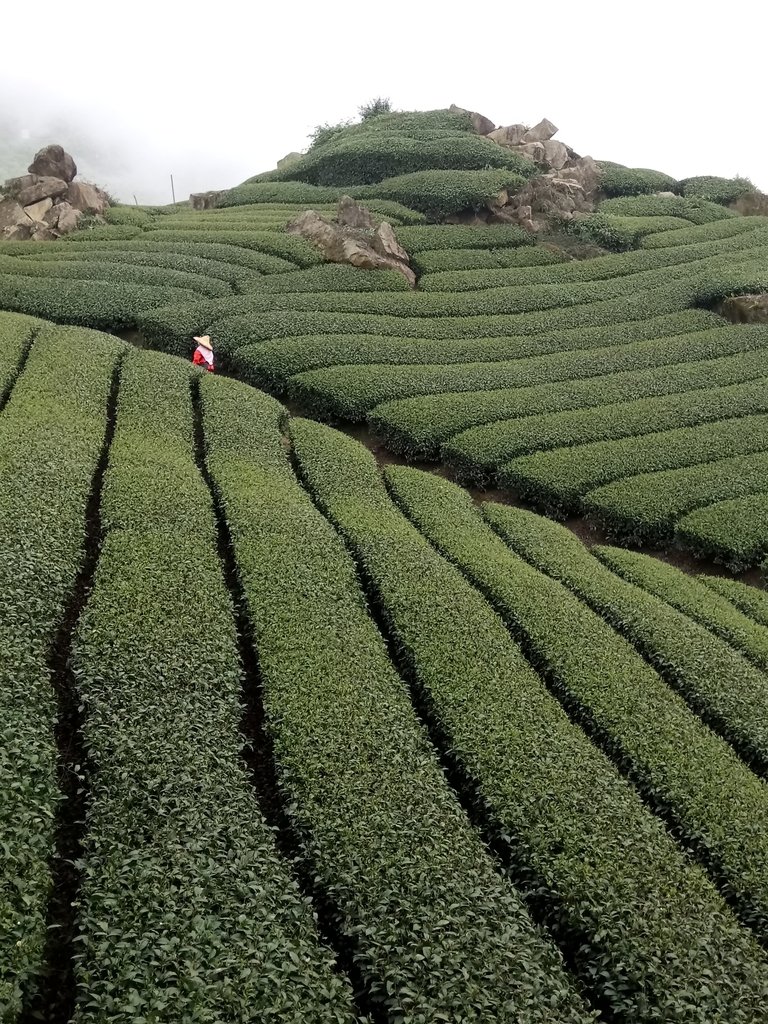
pixel 205 341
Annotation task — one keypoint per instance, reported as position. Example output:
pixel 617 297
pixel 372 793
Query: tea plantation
pixel 289 735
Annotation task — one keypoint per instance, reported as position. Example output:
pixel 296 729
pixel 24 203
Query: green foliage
pixel 688 774
pixel 714 231
pixel 479 452
pixel 51 434
pixel 459 236
pixel 119 272
pixel 440 193
pixel 497 718
pixel 733 531
pixel 694 599
pixel 435 260
pixel 621 233
pixel 85 302
pixel 604 268
pixel 558 479
pixel 714 189
pixel 297 192
pixel 478 392
pixel 283 248
pixel 375 108
pixel 16 334
pixel 692 208
pixel 750 600
pixel 209 899
pixel 632 181
pixel 715 680
pixel 134 216
pixel 334 277
pixel 645 508
pixel 368 157
pixel 432 925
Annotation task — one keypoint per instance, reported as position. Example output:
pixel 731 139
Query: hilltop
pixel 307 712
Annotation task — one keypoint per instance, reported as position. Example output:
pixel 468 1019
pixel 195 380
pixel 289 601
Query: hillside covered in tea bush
pixel 292 733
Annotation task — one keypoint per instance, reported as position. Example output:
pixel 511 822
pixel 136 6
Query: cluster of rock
pixel 353 238
pixel 47 202
pixel 566 187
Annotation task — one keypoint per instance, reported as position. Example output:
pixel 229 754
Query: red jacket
pixel 199 360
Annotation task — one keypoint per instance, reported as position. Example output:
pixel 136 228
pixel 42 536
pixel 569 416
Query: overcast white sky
pixel 216 92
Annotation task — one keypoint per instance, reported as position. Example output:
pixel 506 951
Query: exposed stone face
pixel 352 214
pixel 541 132
pixel 745 309
pixel 63 218
pixel 13 186
pixel 510 135
pixel 205 200
pixel 86 198
pixel 53 162
pixel 359 246
pixel 37 211
pixel 41 188
pixel 12 215
pixel 481 124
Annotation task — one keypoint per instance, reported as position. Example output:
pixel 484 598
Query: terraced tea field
pixel 290 735
pixel 404 657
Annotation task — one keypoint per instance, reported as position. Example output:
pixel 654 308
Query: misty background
pixel 216 93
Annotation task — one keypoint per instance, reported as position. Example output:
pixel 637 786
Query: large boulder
pixel 556 154
pixel 63 218
pixel 481 124
pixel 12 215
pixel 358 246
pixel 37 211
pixel 541 132
pixel 41 188
pixel 86 198
pixel 745 309
pixel 205 200
pixel 352 214
pixel 53 162
pixel 13 186
pixel 508 135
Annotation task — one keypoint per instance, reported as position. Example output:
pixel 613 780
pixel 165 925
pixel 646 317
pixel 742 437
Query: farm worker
pixel 203 353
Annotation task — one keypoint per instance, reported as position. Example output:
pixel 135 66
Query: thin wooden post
pixel 173 191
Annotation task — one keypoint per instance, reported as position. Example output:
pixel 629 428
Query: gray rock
pixel 65 218
pixel 360 247
pixel 205 200
pixel 86 198
pixel 37 211
pixel 41 188
pixel 352 214
pixel 541 132
pixel 555 154
pixel 13 186
pixel 509 135
pixel 53 162
pixel 12 214
pixel 481 124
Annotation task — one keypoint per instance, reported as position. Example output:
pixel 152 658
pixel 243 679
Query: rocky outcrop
pixel 352 238
pixel 53 162
pixel 745 309
pixel 46 203
pixel 205 200
pixel 481 124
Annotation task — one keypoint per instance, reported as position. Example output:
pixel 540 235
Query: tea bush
pixel 385 839
pixel 451 642
pixel 51 436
